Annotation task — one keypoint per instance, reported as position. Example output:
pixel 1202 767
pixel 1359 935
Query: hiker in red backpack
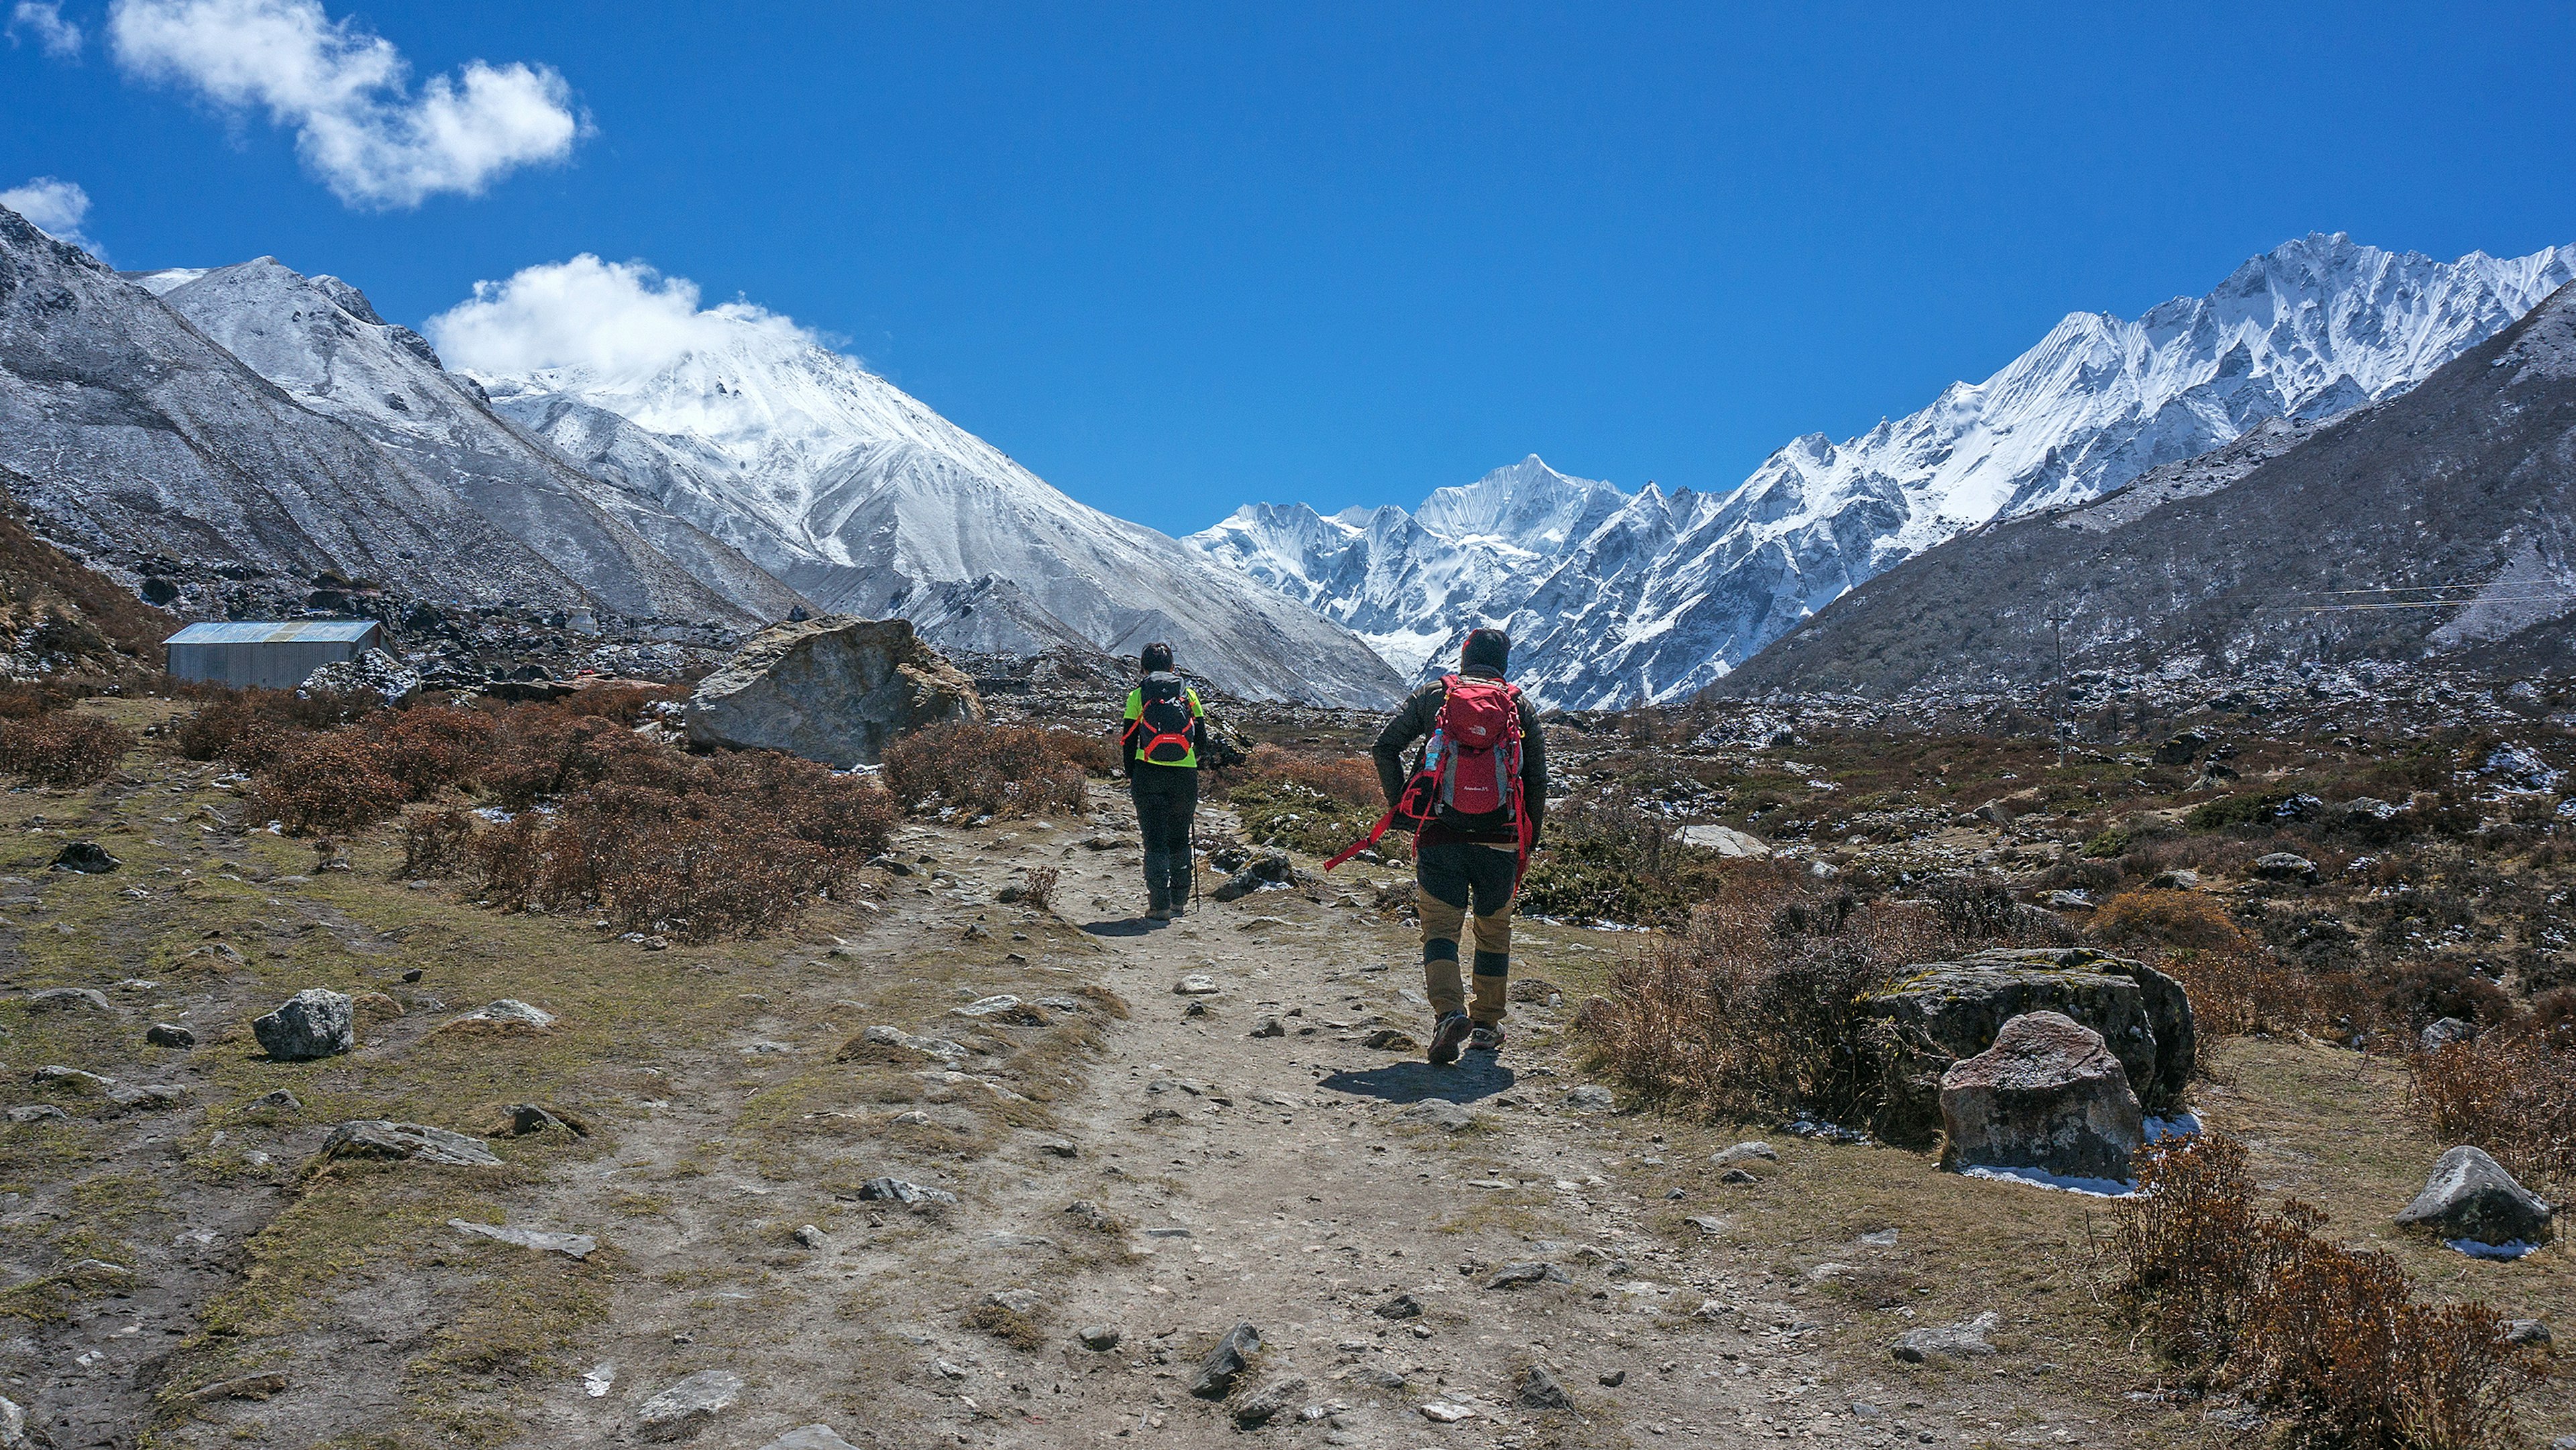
pixel 1474 801
pixel 1165 734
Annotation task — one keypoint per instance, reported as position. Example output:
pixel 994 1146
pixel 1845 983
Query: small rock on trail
pixel 685 1408
pixel 1540 1391
pixel 315 1022
pixel 1964 1340
pixel 1217 1372
pixel 1279 1397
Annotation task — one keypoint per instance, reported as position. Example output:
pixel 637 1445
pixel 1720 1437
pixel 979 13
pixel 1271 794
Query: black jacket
pixel 1419 717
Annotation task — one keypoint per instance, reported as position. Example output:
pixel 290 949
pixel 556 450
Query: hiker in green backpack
pixel 1165 735
pixel 1474 801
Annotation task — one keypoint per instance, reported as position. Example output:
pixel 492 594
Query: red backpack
pixel 1471 767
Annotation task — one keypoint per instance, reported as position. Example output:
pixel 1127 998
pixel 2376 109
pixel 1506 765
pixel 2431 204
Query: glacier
pixel 1612 597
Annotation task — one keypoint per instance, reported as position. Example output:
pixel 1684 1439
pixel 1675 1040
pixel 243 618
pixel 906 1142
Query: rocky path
pixel 1475 1255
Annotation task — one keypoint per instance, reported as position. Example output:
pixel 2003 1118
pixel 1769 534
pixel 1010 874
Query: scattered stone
pixel 1016 1301
pixel 1532 1271
pixel 1059 1148
pixel 1738 1177
pixel 810 1437
pixel 36 1113
pixel 897 1190
pixel 2070 901
pixel 1965 1340
pixel 683 1409
pixel 1003 1010
pixel 571 1246
pixel 1724 840
pixel 87 857
pixel 1389 1039
pixel 519 1120
pixel 913 1119
pixel 808 1236
pixel 1279 1397
pixel 1712 1309
pixel 1384 1378
pixel 1589 1098
pixel 55 1075
pixel 279 1101
pixel 1402 1306
pixel 834 689
pixel 169 1034
pixel 1197 984
pixel 1089 1214
pixel 315 1022
pixel 2470 1196
pixel 418 1142
pixel 1441 1412
pixel 2285 866
pixel 373 672
pixel 1883 1239
pixel 1614 1379
pixel 2184 879
pixel 1217 1372
pixel 1707 1225
pixel 1540 1391
pixel 13 1425
pixel 145 1096
pixel 2048 1095
pixel 506 1015
pixel 938 1048
pixel 1745 1153
pixel 2442 1032
pixel 1099 1338
pixel 1198 1008
pixel 244 1387
pixel 1267 1027
pixel 2530 1333
pixel 1438 1113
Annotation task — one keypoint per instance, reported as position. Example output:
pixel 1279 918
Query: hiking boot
pixel 1177 911
pixel 1159 913
pixel 1485 1039
pixel 1447 1037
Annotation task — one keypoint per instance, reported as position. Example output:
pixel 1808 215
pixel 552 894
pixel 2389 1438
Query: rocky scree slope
pixel 870 503
pixel 139 437
pixel 1660 595
pixel 2291 544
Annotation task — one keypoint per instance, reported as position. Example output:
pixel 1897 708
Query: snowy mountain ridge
pixel 1658 596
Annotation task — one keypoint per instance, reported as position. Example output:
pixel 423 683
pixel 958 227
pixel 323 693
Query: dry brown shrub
pixel 2160 917
pixel 431 747
pixel 245 727
pixel 987 770
pixel 2510 1093
pixel 63 748
pixel 434 843
pixel 329 782
pixel 1350 779
pixel 2330 1338
pixel 1751 1011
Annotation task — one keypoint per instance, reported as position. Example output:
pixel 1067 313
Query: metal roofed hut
pixel 278 655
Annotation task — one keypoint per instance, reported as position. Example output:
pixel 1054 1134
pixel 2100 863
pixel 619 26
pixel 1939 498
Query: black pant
pixel 1166 799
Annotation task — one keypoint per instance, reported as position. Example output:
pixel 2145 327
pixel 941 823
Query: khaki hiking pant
pixel 1457 882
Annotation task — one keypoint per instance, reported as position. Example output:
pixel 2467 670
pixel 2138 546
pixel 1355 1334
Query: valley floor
pixel 1124 1157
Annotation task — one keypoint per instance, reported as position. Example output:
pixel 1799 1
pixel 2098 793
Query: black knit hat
pixel 1486 649
pixel 1158 658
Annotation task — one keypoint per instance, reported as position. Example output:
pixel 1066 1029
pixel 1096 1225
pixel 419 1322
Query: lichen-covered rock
pixel 315 1022
pixel 372 673
pixel 835 689
pixel 2048 1095
pixel 401 1142
pixel 2470 1196
pixel 1936 1014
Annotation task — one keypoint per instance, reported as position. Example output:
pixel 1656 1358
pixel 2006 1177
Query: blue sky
pixel 1175 258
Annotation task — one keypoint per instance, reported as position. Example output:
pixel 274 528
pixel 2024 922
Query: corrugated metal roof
pixel 274 631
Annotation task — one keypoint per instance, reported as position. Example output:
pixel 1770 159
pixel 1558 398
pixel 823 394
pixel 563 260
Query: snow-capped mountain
pixel 1410 584
pixel 319 340
pixel 867 501
pixel 141 442
pixel 1663 595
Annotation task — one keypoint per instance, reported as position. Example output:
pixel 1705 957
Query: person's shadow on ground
pixel 1477 1075
pixel 1125 926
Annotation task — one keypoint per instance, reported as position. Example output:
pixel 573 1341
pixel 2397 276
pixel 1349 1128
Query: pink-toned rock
pixel 2048 1095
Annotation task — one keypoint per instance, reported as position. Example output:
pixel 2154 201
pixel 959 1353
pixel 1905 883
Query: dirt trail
pixel 1200 1177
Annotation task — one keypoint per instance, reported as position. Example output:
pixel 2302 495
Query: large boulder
pixel 2470 1196
pixel 1935 1014
pixel 836 689
pixel 2048 1095
pixel 316 1022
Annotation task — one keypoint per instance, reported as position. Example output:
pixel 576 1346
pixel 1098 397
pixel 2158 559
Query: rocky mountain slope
pixel 144 442
pixel 1664 594
pixel 2432 524
pixel 60 617
pixel 870 503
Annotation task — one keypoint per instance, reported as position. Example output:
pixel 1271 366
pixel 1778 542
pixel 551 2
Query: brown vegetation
pixel 1003 771
pixel 2329 1338
pixel 62 748
pixel 2511 1093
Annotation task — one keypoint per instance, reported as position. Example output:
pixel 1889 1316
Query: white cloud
pixel 345 93
pixel 44 20
pixel 614 320
pixel 55 207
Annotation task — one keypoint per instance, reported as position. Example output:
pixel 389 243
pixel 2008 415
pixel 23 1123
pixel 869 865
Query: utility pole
pixel 2057 629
